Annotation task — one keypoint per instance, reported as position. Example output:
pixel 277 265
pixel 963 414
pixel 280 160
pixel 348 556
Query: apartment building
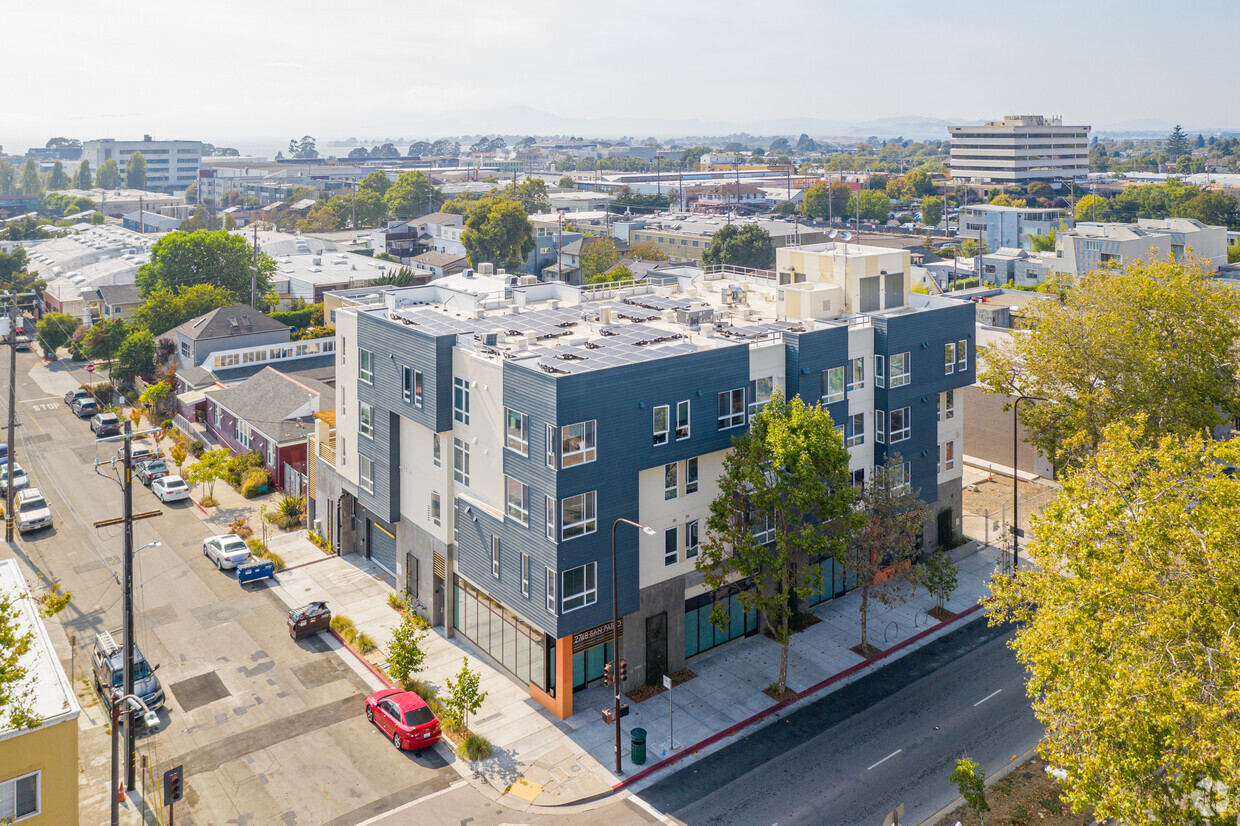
pixel 1014 227
pixel 684 238
pixel 1090 245
pixel 486 436
pixel 1019 149
pixel 170 165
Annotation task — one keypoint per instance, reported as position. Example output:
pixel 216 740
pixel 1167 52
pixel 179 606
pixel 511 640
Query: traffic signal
pixel 624 671
pixel 173 790
pixel 607 675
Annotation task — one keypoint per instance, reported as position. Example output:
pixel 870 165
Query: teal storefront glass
pixel 702 635
pixel 588 665
pixel 511 643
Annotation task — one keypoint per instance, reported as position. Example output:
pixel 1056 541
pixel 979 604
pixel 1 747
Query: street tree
pixel 166 308
pixel 598 255
pixel 58 179
pixel 31 183
pixel 1177 143
pixel 364 208
pixel 931 211
pixel 8 178
pixel 183 259
pixel 1093 208
pixel 531 193
pixel 785 500
pixel 881 557
pixel 412 195
pixel 16 693
pixel 55 329
pixel 918 183
pixel 647 251
pixel 109 176
pixel 940 577
pixel 210 467
pixel 376 182
pixel 135 356
pixel 1126 625
pixel 104 338
pixel 815 202
pixel 498 230
pixel 406 652
pixel 749 246
pixel 135 171
pixel 875 206
pixel 463 697
pixel 970 780
pixel 1160 337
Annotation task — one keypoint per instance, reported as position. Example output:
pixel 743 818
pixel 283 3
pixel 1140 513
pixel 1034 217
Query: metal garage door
pixel 383 548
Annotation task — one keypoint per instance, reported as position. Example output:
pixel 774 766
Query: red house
pixel 272 414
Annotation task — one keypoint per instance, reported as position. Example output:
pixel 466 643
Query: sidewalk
pixel 541 761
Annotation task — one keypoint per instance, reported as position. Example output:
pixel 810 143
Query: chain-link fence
pixel 992 525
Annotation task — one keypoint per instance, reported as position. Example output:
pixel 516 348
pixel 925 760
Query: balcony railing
pixel 327 452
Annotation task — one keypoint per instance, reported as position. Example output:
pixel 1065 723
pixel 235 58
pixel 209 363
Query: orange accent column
pixel 561 705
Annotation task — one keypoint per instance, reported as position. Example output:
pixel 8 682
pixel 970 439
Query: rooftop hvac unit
pixel 604 315
pixel 486 269
pixel 553 304
pixel 527 280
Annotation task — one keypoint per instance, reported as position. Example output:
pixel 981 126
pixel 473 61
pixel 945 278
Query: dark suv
pixel 105 424
pixel 107 661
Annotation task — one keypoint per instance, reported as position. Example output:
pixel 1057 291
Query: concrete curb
pixel 814 689
pixel 383 678
pixel 1001 773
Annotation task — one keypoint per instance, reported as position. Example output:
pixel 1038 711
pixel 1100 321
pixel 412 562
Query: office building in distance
pixel 1019 149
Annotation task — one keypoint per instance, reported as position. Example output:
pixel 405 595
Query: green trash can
pixel 637 746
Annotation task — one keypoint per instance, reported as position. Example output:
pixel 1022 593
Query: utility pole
pixel 127 575
pixel 254 275
pixel 8 493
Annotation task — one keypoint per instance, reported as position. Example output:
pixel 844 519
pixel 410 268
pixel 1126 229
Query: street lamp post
pixel 130 702
pixel 615 629
pixel 1016 476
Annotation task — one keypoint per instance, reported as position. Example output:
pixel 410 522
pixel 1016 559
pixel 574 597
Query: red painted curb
pixel 735 727
pixel 383 678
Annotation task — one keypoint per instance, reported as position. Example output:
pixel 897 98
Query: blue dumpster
pixel 255 569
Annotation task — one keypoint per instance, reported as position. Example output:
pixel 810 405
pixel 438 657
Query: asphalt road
pixel 269 730
pixel 853 756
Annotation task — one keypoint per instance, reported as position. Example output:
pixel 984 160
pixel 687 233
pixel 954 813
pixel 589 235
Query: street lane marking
pixel 412 803
pixel 885 759
pixel 984 699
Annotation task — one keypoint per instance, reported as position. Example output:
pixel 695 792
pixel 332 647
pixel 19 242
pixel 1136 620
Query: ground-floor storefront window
pixel 588 664
pixel 835 582
pixel 518 647
pixel 702 635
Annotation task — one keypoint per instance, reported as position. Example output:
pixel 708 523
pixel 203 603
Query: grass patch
pixel 363 643
pixel 475 747
pixel 360 640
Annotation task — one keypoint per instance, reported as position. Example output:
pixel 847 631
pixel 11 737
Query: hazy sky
pixel 230 71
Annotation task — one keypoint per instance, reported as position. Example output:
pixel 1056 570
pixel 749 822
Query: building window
pixel 671 546
pixel 578 516
pixel 460 400
pixel 460 461
pixel 271 453
pixel 761 393
pixel 343 454
pixel 436 511
pixel 580 587
pixel 949 358
pixel 661 425
pixel 219 416
pixel 577 443
pixel 732 408
pixel 855 432
pixel 856 374
pixel 858 478
pixel 691 539
pixel 947 456
pixel 880 427
pixel 691 475
pixel 833 385
pixel 900 370
pixel 417 388
pixel 671 482
pixel 518 495
pixel 525 575
pixel 244 433
pixel 436 451
pixel 962 355
pixel 551 446
pixel 19 797
pixel 901 426
pixel 551 518
pixel 364 416
pixel 947 405
pixel 495 556
pixel 903 478
pixel 762 526
pixel 365 366
pixel 880 371
pixel 550 591
pixel 517 432
pixel 406 383
pixel 366 473
pixel 682 420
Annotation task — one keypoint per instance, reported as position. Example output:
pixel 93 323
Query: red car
pixel 404 718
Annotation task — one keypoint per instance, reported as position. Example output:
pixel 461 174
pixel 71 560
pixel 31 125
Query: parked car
pixel 404 718
pixel 74 395
pixel 170 488
pixel 84 407
pixel 105 424
pixel 226 550
pixel 20 480
pixel 139 452
pixel 107 662
pixel 33 511
pixel 152 470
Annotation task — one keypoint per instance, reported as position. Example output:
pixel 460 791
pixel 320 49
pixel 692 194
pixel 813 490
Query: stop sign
pixel 90 368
